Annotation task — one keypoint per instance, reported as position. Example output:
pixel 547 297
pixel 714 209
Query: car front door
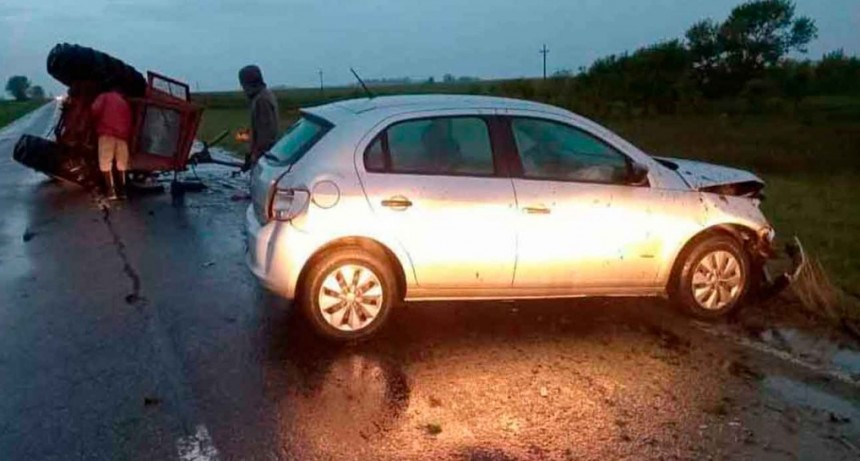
pixel 434 183
pixel 581 224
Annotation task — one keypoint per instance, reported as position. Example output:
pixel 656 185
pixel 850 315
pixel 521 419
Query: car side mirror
pixel 638 175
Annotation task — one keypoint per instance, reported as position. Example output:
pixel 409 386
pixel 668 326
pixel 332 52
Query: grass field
pixel 12 110
pixel 809 156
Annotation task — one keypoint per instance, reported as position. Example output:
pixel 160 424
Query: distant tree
pixel 652 78
pixel 705 54
pixel 838 73
pixel 756 35
pixel 17 86
pixel 36 92
pixel 431 80
pixel 795 78
pixel 658 74
pixel 448 78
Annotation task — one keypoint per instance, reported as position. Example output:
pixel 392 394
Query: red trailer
pixel 165 124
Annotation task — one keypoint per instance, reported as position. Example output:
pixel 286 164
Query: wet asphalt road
pixel 135 332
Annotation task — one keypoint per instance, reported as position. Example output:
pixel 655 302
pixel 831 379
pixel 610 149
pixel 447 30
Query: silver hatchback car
pixel 367 202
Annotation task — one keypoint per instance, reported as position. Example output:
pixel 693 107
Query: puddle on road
pixel 798 393
pixel 848 360
pixel 17 230
pixel 353 398
pixel 814 348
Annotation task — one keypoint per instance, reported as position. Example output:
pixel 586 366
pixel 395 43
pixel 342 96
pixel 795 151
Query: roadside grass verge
pixel 821 211
pixel 13 110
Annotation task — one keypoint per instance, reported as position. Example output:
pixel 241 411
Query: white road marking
pixel 197 447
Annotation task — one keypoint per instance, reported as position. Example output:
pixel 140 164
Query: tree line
pixel 21 89
pixel 744 56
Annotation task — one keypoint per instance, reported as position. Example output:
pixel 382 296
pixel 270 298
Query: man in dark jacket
pixel 264 113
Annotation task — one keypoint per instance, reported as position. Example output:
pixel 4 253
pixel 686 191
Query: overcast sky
pixel 205 42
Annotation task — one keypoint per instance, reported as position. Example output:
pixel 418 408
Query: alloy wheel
pixel 717 280
pixel 350 297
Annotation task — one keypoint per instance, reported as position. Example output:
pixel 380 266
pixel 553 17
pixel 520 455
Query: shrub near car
pixel 367 202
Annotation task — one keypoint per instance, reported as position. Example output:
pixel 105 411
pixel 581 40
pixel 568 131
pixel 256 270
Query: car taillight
pixel 286 204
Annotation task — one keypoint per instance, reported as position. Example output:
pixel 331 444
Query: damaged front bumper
pixel 772 286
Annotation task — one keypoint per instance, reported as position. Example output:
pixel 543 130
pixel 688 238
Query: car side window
pixel 555 151
pixel 439 145
pixel 374 157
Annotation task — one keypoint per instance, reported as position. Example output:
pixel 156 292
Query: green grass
pixel 219 119
pixel 822 212
pixel 12 110
pixel 809 155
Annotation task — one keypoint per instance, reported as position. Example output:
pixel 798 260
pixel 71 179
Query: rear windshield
pixel 298 139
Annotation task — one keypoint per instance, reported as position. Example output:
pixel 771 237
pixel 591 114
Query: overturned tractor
pixel 165 121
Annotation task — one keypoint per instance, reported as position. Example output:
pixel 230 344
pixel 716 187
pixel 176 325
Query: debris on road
pixel 839 419
pixel 741 370
pixel 28 235
pixel 433 429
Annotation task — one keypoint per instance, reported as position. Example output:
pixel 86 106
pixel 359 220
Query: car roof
pixel 381 107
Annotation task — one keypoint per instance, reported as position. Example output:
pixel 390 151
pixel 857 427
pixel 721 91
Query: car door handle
pixel 536 210
pixel 397 203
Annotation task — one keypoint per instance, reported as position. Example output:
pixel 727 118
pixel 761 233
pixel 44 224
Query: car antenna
pixel 366 90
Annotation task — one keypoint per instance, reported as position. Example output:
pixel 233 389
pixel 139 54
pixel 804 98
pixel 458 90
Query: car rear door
pixel 434 181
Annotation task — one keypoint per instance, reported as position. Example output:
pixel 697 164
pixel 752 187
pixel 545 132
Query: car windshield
pixel 297 140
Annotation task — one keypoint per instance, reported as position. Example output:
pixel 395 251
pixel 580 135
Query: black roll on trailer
pixel 75 63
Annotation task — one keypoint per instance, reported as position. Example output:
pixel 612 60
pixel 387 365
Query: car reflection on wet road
pixel 540 380
pixel 136 332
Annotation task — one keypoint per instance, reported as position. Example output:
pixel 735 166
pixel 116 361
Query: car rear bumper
pixel 276 253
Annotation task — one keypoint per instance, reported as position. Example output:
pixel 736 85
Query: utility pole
pixel 322 88
pixel 544 52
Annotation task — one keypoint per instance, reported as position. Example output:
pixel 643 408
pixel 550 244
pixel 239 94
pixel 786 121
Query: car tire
pixel 348 294
pixel 715 278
